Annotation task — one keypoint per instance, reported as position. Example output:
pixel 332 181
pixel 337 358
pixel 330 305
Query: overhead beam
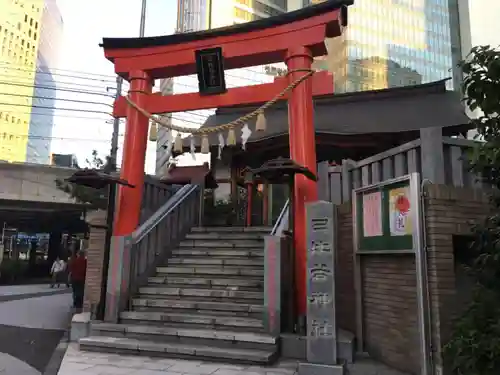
pixel 247 95
pixel 258 47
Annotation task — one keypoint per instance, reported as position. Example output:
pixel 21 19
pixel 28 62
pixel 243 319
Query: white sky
pixel 86 22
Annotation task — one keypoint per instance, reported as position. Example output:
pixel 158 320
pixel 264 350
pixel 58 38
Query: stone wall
pixel 95 256
pixel 449 211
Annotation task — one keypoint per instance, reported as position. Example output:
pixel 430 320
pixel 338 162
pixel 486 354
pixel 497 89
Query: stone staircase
pixel 205 303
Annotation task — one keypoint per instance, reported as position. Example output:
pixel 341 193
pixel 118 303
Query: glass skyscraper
pixel 392 43
pixel 29 35
pixel 44 93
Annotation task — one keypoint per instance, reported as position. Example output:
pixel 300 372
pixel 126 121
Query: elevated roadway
pixel 31 201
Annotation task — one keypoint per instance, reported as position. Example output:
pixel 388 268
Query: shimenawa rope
pixel 241 121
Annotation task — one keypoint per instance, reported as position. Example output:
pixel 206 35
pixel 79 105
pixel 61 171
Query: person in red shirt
pixel 77 271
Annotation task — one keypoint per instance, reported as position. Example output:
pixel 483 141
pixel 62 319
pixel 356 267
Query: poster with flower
pixel 399 212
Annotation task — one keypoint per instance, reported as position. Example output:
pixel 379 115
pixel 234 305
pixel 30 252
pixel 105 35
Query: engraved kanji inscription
pixel 319 224
pixel 320 272
pixel 320 299
pixel 321 247
pixel 321 328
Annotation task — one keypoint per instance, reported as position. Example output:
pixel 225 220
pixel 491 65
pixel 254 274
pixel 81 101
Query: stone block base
pixel 80 326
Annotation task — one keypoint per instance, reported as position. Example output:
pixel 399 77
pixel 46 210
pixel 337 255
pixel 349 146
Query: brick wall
pixel 449 211
pixel 95 254
pixel 389 299
pixel 390 310
pixel 345 295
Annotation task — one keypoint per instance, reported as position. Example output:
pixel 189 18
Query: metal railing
pixel 278 276
pixel 283 220
pixel 154 239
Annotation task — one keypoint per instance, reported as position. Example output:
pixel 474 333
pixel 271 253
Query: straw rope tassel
pixel 205 144
pixel 260 123
pixel 231 137
pixel 153 132
pixel 178 143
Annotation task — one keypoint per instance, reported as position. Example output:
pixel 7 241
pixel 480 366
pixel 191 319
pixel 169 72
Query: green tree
pixel 97 198
pixel 474 348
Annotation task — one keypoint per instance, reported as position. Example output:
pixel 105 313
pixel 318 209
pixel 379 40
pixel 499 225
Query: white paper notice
pixel 372 214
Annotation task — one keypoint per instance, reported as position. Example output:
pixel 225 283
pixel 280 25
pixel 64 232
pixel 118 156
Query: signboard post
pixel 321 323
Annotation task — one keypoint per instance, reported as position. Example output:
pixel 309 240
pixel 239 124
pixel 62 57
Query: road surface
pixel 32 321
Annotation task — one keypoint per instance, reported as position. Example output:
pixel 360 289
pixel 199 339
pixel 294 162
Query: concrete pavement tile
pixel 224 371
pixel 154 372
pixel 226 366
pixel 111 370
pixel 157 366
pixel 193 368
pixel 70 366
pixel 279 371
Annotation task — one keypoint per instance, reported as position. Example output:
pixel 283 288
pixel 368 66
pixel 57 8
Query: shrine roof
pixel 285 18
pixel 389 111
pixel 189 174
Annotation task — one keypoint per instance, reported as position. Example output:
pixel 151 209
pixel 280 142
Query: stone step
pixel 265 230
pixel 211 294
pixel 192 320
pixel 164 349
pixel 209 337
pixel 221 244
pixel 226 235
pixel 207 261
pixel 210 271
pixel 208 282
pixel 189 306
pixel 220 253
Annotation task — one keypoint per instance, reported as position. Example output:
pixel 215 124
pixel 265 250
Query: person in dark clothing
pixel 77 271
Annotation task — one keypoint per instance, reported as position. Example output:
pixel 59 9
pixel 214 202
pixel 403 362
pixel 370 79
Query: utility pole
pixel 116 128
pixel 142 27
pixel 112 192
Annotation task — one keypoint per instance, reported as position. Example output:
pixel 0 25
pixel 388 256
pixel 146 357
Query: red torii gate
pixel 294 38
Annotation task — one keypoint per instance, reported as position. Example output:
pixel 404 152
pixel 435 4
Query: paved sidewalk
pixel 91 363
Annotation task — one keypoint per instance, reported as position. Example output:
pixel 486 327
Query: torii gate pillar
pixel 303 151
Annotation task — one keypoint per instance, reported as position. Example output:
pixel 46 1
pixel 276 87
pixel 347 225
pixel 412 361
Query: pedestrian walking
pixel 57 272
pixel 77 271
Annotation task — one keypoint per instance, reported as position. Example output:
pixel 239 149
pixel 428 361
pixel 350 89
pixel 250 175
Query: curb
pixel 17 297
pixel 57 357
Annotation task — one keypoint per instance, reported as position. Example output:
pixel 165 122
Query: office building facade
pixel 22 29
pixel 392 43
